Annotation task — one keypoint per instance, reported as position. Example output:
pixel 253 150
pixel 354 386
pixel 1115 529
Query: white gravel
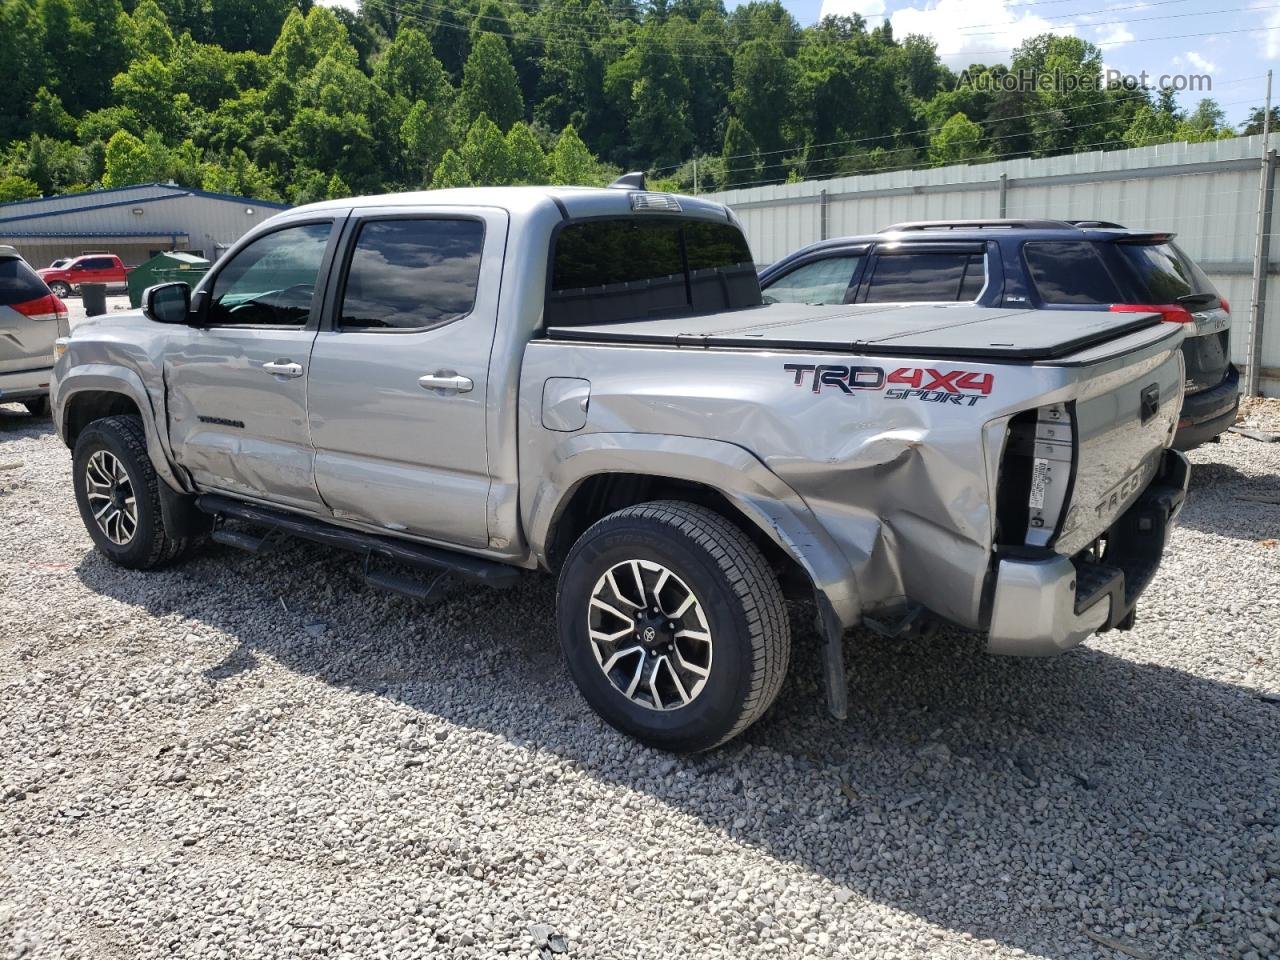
pixel 254 757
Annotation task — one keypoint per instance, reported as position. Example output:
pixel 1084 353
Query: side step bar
pixel 460 565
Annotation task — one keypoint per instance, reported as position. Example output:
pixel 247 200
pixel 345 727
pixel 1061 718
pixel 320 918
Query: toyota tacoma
pixel 460 384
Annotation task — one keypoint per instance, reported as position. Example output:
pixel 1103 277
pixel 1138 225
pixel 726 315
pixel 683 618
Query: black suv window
pixel 411 274
pixel 19 283
pixel 272 281
pixel 631 268
pixel 925 277
pixel 1164 272
pixel 1069 271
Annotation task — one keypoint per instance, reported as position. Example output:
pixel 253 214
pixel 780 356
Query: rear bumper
pixel 25 384
pixel 1207 413
pixel 1046 605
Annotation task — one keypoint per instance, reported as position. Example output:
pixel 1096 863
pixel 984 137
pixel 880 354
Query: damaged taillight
pixel 1035 476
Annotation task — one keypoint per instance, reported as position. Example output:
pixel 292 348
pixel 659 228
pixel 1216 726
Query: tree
pixel 571 161
pixel 426 135
pixel 528 161
pixel 49 117
pixel 741 155
pixel 489 84
pixel 146 90
pixel 649 88
pixel 130 160
pixel 13 187
pixel 763 87
pixel 450 172
pixel 484 154
pixel 959 141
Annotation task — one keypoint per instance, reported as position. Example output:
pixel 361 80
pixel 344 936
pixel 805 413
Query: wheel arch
pixel 595 474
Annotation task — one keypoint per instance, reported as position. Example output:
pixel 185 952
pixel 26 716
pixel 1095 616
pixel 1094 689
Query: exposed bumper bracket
pixel 1045 605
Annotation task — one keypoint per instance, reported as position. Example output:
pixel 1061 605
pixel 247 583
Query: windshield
pixel 1163 272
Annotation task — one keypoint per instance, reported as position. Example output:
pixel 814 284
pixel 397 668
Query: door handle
pixel 283 368
pixel 446 380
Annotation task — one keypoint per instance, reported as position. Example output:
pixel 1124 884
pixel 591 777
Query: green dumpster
pixel 165 268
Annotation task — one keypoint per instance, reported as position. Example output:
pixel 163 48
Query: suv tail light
pixel 47 307
pixel 1222 302
pixel 1169 312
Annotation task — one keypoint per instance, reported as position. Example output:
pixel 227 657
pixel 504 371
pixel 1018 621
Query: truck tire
pixel 37 407
pixel 673 625
pixel 118 493
pixel 60 289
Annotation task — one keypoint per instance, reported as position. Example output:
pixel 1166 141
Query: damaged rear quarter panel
pixel 899 475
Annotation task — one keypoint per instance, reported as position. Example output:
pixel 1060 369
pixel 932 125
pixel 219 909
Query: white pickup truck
pixel 586 382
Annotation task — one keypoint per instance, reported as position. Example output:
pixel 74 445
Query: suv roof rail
pixel 1101 224
pixel 977 225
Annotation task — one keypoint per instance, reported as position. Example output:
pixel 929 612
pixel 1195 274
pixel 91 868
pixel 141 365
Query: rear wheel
pixel 60 289
pixel 37 407
pixel 118 493
pixel 673 625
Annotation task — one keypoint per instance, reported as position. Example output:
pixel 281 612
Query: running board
pixel 243 540
pixel 461 565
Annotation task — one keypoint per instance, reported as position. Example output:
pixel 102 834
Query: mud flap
pixel 833 658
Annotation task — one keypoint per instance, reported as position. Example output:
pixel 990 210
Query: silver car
pixel 31 321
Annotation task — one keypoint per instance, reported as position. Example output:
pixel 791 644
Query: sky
pixel 1233 44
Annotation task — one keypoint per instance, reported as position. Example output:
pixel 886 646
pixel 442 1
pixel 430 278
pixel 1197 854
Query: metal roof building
pixel 135 223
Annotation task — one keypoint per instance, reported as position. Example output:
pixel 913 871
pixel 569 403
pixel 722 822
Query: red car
pixel 91 268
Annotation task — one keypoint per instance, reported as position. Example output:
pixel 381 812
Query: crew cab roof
pixel 565 202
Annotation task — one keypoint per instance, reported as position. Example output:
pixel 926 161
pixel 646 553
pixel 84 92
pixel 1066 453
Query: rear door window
pixel 818 281
pixel 19 283
pixel 1069 271
pixel 925 277
pixel 630 268
pixel 1163 272
pixel 412 274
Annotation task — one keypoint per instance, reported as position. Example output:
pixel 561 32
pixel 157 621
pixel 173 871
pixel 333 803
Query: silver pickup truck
pixel 460 384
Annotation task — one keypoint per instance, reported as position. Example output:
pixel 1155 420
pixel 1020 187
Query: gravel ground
pixel 254 757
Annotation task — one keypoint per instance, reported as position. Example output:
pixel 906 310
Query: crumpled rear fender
pixel 749 485
pixel 112 378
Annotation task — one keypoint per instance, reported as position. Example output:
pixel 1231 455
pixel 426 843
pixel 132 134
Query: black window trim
pixel 205 287
pixel 347 250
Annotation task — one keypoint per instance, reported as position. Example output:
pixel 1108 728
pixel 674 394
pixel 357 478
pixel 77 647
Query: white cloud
pixel 1201 63
pixel 1271 36
pixel 1115 36
pixel 847 8
pixel 973 31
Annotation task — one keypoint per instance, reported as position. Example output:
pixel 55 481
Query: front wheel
pixel 60 289
pixel 118 493
pixel 673 625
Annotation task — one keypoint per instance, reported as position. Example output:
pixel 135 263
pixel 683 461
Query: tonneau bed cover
pixel 940 330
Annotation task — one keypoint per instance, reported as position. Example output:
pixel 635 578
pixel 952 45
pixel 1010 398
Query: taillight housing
pixel 1222 302
pixel 47 307
pixel 1169 312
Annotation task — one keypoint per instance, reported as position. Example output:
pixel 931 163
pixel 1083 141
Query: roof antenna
pixel 630 181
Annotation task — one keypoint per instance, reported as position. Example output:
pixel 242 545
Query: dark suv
pixel 1039 264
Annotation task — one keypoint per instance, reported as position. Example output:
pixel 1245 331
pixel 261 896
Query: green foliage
pixel 13 187
pixel 290 99
pixel 959 141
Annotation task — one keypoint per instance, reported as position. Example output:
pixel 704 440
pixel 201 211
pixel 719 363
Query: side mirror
pixel 167 302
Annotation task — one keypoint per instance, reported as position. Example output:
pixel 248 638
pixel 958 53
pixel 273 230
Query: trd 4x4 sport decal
pixel 960 387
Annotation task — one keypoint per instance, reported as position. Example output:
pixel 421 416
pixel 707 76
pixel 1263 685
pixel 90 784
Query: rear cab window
pixel 925 276
pixel 631 268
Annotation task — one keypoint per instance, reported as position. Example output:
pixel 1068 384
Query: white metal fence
pixel 1207 192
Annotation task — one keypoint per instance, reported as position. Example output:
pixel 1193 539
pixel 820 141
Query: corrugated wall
pixel 1206 192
